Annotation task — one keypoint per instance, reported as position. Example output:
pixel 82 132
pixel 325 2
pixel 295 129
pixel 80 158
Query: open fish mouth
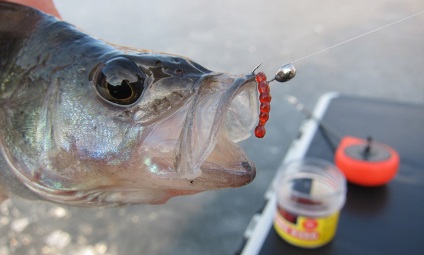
pixel 223 112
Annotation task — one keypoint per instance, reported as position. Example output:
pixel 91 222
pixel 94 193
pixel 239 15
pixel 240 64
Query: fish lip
pixel 239 175
pixel 190 167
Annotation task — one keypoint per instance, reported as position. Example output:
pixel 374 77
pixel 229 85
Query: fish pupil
pixel 121 91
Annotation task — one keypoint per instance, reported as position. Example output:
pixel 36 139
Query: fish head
pixel 141 128
pixel 188 118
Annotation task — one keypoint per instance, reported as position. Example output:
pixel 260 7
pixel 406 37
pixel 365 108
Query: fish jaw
pixel 222 112
pixel 202 153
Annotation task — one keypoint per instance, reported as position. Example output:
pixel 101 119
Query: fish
pixel 87 123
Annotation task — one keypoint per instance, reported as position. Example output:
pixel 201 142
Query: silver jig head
pixel 285 73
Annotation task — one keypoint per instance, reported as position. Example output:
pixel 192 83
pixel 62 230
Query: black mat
pixel 384 220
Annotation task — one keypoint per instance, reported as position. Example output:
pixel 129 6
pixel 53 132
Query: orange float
pixel 365 162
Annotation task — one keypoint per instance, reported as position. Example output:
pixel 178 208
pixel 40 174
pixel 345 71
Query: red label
pixel 310 224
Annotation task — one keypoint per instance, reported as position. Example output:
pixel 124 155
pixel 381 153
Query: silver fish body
pixel 86 123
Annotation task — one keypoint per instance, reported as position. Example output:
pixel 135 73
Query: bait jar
pixel 310 194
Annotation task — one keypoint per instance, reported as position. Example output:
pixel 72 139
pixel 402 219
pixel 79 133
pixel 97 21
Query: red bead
pixel 265 107
pixel 263 118
pixel 265 97
pixel 263 87
pixel 260 131
pixel 260 77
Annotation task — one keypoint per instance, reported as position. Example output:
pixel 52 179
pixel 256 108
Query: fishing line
pixel 287 72
pixel 308 113
pixel 358 36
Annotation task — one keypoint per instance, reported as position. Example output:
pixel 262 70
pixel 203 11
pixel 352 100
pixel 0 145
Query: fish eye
pixel 119 81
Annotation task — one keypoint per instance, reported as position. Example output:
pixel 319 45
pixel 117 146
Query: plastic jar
pixel 310 195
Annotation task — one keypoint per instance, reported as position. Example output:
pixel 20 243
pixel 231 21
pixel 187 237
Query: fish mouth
pixel 223 112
